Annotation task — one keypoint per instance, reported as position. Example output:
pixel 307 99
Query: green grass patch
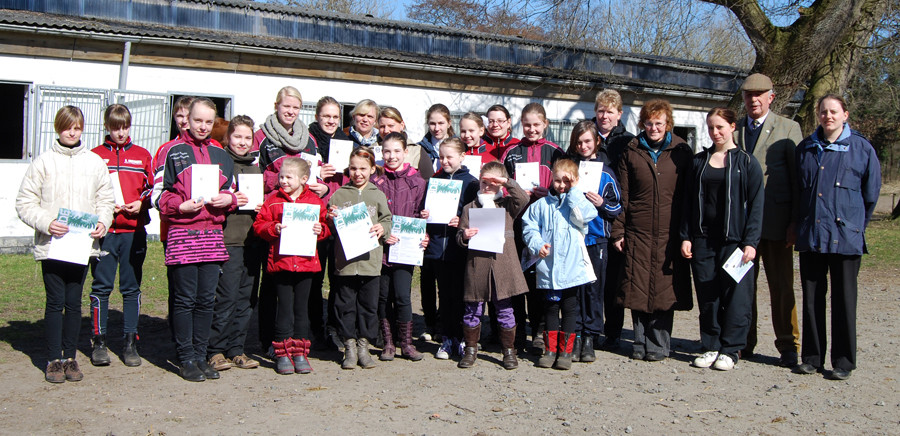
pixel 883 240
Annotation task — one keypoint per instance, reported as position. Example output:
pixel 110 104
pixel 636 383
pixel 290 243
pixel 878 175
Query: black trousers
pixel 232 311
pixel 318 315
pixel 590 295
pixel 615 312
pixel 568 303
pixel 292 315
pixel 529 307
pixel 814 270
pixel 63 283
pixel 450 280
pixel 725 306
pixel 429 295
pixel 194 288
pixel 356 306
pixel 394 301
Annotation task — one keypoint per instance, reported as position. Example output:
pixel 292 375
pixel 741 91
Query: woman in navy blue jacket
pixel 723 209
pixel 840 179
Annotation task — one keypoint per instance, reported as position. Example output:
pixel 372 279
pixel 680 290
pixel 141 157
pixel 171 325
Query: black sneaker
pixel 208 371
pixel 637 355
pixel 805 368
pixel 190 372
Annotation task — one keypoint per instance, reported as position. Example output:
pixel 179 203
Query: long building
pixel 146 53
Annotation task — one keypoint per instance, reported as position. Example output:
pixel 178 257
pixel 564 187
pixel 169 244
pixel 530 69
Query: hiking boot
pixel 72 371
pixel 388 350
pixel 406 346
pixel 471 335
pixel 576 349
pixel 219 362
pixel 55 372
pixel 350 356
pixel 549 357
pixel 190 372
pixel 362 350
pixel 508 347
pixel 99 354
pixel 130 356
pixel 244 362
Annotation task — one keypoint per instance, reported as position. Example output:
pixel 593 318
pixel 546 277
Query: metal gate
pixel 149 115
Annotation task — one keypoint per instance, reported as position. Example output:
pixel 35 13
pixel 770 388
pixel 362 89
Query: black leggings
pixel 292 315
pixel 63 282
pixel 394 301
pixel 569 305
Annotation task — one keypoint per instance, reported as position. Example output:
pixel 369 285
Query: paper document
pixel 491 225
pixel 252 186
pixel 734 267
pixel 75 245
pixel 117 188
pixel 528 175
pixel 589 174
pixel 339 153
pixel 411 232
pixel 473 163
pixel 314 168
pixel 297 236
pixel 352 225
pixel 204 182
pixel 442 199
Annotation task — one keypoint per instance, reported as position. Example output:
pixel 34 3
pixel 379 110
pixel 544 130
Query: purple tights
pixel 505 317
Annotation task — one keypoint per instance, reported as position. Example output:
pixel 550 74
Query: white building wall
pixel 254 95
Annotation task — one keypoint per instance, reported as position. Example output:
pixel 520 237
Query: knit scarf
pixel 245 159
pixel 277 134
pixel 655 152
pixel 368 142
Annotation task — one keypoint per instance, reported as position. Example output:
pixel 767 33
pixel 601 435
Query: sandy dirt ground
pixel 613 395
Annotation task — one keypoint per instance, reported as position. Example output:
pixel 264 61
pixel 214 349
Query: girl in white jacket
pixel 66 176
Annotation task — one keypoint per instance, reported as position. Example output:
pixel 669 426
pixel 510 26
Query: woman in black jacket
pixel 723 210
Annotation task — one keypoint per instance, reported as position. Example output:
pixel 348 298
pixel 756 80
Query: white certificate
pixel 734 267
pixel 528 175
pixel 473 163
pixel 117 188
pixel 252 186
pixel 442 199
pixel 204 182
pixel 314 168
pixel 379 157
pixel 75 245
pixel 339 153
pixel 353 224
pixel 589 174
pixel 297 236
pixel 411 232
pixel 491 225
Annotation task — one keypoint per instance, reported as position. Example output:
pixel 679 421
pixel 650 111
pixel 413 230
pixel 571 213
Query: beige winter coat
pixel 71 178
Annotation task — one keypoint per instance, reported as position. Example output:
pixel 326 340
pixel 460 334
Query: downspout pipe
pixel 123 69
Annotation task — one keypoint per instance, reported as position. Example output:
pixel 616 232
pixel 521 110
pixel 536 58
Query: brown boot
pixel 406 345
pixel 566 349
pixel 387 353
pixel 508 346
pixel 549 357
pixel 470 353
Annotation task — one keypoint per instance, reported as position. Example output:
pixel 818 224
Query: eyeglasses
pixel 657 126
pixel 497 122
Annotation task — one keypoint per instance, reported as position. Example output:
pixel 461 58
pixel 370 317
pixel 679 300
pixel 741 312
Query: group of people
pixel 575 254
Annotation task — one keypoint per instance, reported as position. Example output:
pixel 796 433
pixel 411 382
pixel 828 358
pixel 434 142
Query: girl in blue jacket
pixel 553 229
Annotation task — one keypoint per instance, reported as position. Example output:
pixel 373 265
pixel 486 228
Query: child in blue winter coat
pixel 553 229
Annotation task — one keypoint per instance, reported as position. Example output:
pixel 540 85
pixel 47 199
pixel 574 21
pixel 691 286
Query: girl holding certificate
pixel 197 193
pixel 446 258
pixel 584 146
pixel 358 277
pixel 240 273
pixel 471 130
pixel 46 188
pixel 723 205
pixel 292 275
pixel 405 192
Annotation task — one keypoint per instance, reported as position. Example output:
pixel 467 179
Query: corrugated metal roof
pixel 272 26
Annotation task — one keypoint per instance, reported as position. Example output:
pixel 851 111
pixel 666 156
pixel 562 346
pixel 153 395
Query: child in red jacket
pixel 292 275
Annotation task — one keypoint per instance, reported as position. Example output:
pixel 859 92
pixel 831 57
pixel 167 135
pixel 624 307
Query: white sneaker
pixel 724 363
pixel 705 360
pixel 443 352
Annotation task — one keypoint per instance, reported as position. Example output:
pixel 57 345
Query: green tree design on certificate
pixel 353 224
